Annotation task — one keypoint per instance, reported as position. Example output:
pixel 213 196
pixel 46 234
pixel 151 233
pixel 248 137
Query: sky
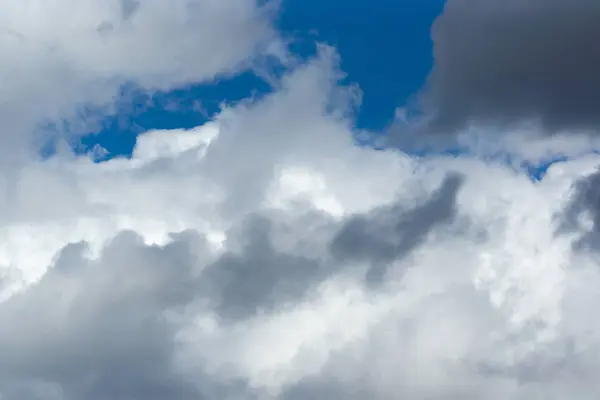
pixel 389 61
pixel 250 199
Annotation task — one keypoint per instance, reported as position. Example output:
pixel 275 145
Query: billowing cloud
pixel 384 236
pixel 264 255
pixel 505 62
pixel 60 57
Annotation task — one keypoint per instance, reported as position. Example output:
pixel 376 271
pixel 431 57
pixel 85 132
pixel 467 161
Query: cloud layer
pixel 264 255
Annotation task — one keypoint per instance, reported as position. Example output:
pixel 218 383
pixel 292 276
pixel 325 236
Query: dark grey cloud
pixel 259 278
pixel 96 329
pixel 584 200
pixel 388 234
pixel 505 61
pixel 129 7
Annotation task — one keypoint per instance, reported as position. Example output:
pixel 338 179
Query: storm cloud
pixel 503 62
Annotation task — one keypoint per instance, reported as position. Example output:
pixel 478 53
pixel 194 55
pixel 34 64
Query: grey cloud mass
pixel 507 61
pixel 584 202
pixel 97 329
pixel 93 329
pixel 386 235
pixel 259 278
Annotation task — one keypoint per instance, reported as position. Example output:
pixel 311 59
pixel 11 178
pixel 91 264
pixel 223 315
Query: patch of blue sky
pixel 138 111
pixel 385 48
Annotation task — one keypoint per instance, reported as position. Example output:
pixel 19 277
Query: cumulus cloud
pixel 264 255
pixel 61 56
pixel 505 62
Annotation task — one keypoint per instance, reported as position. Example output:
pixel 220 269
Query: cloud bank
pixel 264 255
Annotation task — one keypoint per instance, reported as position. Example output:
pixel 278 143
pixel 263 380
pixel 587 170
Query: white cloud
pixel 61 55
pixel 230 261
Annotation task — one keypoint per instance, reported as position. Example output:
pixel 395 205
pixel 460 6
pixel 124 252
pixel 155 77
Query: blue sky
pixel 385 49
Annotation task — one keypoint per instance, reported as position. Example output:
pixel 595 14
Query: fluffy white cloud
pixel 59 56
pixel 265 255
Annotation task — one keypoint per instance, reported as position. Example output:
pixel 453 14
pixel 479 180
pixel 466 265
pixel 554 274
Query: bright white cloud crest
pixel 264 255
